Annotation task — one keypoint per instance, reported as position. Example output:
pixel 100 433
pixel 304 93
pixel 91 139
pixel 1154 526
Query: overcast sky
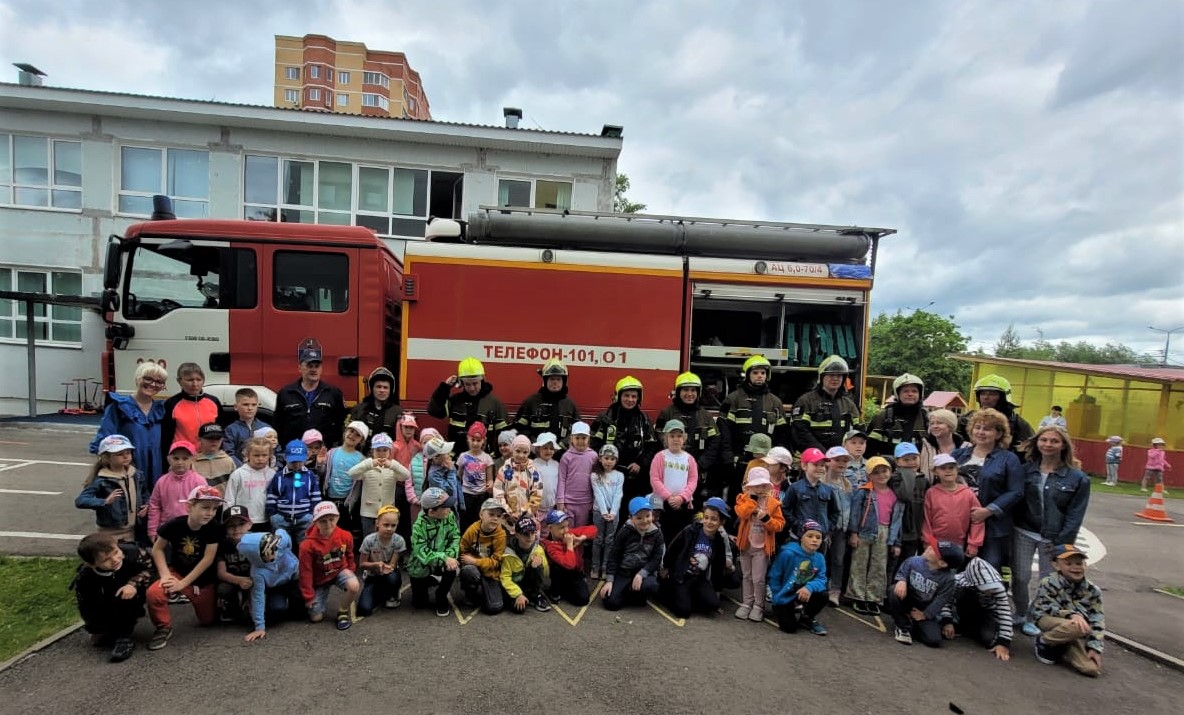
pixel 1031 155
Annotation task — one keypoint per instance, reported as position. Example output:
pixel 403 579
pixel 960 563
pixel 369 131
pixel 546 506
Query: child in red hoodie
pixel 564 546
pixel 948 504
pixel 327 560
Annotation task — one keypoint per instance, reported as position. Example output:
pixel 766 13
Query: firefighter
pixel 475 402
pixel 625 426
pixel 751 409
pixel 309 403
pixel 823 415
pixel 378 410
pixel 904 420
pixel 703 433
pixel 993 391
pixel 549 409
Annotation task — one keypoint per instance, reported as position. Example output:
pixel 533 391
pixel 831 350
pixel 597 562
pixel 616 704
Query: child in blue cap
pixel 797 582
pixel 292 494
pixel 631 568
pixel 695 567
pixel 910 485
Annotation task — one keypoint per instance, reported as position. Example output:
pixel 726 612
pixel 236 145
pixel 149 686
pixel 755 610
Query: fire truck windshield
pixel 162 281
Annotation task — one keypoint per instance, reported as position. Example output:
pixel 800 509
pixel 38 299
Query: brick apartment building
pixel 316 72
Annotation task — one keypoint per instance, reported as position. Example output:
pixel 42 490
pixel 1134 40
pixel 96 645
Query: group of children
pixel 1157 463
pixel 520 532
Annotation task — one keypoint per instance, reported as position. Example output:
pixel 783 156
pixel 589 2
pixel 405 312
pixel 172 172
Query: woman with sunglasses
pixel 138 416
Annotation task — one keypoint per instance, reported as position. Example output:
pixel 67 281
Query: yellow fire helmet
pixel 833 365
pixel 553 368
pixel 755 361
pixel 993 382
pixel 688 379
pixel 470 367
pixel 628 383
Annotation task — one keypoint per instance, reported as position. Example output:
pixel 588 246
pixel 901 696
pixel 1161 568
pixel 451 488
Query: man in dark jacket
pixel 902 421
pixel 823 415
pixel 310 403
pixel 703 434
pixel 994 392
pixel 549 409
pixel 474 403
pixel 378 409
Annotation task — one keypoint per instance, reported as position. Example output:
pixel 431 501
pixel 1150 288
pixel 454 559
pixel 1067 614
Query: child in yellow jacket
pixel 524 568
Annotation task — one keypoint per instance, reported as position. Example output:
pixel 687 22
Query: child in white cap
pixel 574 493
pixel 1157 463
pixel 545 446
pixel 1113 459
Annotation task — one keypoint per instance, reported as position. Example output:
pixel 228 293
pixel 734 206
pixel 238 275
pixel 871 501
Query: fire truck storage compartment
pixel 795 328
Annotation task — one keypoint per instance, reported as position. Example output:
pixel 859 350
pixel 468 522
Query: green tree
pixel 1083 352
pixel 919 342
pixel 621 203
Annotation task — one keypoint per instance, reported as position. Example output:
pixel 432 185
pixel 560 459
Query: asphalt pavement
pixel 567 660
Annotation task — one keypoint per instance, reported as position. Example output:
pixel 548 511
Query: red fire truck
pixel 608 294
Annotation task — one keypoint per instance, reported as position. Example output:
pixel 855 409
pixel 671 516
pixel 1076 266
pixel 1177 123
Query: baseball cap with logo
pixel 205 493
pixel 238 511
pixel 114 444
pixel 210 430
pixel 323 509
pixel 310 351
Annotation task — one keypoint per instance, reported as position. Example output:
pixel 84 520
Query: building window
pixel 314 71
pixel 314 95
pixel 38 171
pixel 552 195
pixel 51 323
pixel 311 282
pixel 342 99
pixel 376 78
pixel 292 96
pixel 181 174
pixel 390 201
pixel 291 73
pixel 513 193
pixel 343 78
pixel 376 100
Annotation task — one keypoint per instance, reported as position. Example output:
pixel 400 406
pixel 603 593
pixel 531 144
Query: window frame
pixel 275 211
pixel 343 76
pixel 323 258
pixel 314 71
pixel 314 94
pixel 14 316
pixel 342 99
pixel 533 181
pixel 164 180
pixel 292 96
pixel 384 80
pixel 292 73
pixel 9 186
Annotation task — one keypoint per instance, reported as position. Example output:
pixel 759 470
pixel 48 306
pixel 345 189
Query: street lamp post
pixel 1167 341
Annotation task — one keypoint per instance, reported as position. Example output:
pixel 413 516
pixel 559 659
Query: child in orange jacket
pixel 760 521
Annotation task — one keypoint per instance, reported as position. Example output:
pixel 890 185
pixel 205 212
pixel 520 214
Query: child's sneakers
pixel 393 602
pixel 757 614
pixel 1030 629
pixel 743 611
pixel 812 625
pixel 122 650
pixel 903 636
pixel 1045 653
pixel 443 609
pixel 343 619
pixel 873 608
pixel 859 606
pixel 541 604
pixel 160 638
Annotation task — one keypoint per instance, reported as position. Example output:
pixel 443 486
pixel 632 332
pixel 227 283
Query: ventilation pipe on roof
pixel 28 75
pixel 513 115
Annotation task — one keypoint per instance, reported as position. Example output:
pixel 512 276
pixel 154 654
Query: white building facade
pixel 77 166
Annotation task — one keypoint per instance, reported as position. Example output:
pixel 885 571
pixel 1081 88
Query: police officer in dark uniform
pixel 751 409
pixel 549 409
pixel 703 434
pixel 823 415
pixel 904 420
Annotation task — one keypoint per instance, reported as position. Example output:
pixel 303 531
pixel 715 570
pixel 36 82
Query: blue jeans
pixel 376 589
pixel 994 550
pixel 294 526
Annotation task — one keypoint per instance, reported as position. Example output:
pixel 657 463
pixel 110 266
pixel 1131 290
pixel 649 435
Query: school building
pixel 77 166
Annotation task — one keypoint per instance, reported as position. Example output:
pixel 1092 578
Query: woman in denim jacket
pixel 995 473
pixel 1056 494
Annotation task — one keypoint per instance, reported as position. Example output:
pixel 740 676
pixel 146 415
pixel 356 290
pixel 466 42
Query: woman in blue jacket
pixel 138 417
pixel 995 473
pixel 1056 494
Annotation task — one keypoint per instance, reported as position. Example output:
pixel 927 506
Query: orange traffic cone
pixel 1154 509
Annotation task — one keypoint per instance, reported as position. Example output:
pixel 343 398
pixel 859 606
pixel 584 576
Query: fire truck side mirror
pixel 111 265
pixel 109 302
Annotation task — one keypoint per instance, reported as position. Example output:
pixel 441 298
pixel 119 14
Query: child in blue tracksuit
pixel 274 575
pixel 798 582
pixel 292 493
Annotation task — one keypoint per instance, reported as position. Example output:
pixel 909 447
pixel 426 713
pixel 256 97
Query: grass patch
pixel 35 601
pixel 1098 486
pixel 1174 590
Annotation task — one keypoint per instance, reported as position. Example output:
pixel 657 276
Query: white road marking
pixel 18 465
pixel 39 535
pixel 29 491
pixel 27 462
